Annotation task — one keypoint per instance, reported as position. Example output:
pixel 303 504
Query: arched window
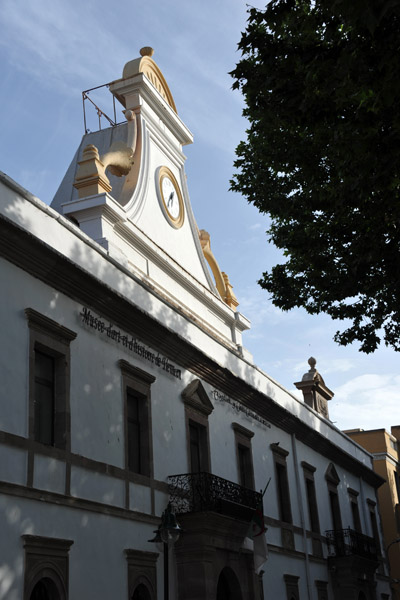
pixel 228 587
pixel 46 568
pixel 142 574
pixel 141 593
pixel 45 589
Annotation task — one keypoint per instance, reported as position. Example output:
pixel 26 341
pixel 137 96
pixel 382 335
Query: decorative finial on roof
pixel 312 373
pixel 145 65
pixel 146 51
pixel 91 176
pixel 315 392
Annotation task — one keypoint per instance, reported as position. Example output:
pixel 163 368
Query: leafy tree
pixel 321 83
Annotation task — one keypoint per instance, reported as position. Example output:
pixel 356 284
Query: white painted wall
pixel 97 565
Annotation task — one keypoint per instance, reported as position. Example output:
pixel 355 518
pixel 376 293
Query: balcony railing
pixel 347 542
pixel 198 492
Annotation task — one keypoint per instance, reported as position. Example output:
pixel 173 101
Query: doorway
pixel 228 587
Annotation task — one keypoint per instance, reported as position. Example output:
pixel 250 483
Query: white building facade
pixel 126 386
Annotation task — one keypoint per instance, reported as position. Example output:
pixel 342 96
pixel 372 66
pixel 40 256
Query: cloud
pixel 370 385
pixel 260 310
pixel 71 46
pixel 369 401
pixel 329 365
pixel 255 227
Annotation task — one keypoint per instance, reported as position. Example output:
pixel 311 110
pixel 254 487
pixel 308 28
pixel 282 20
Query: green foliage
pixel 321 83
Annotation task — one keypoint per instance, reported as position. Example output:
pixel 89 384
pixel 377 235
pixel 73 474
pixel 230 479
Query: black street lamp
pixel 396 541
pixel 166 535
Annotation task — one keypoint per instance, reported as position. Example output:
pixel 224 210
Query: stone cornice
pixel 41 261
pixel 239 429
pixel 387 458
pixel 40 322
pixel 135 372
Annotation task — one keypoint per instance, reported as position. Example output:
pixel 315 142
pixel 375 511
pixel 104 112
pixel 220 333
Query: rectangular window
pixel 44 398
pixel 283 492
pixel 356 516
pixel 311 496
pixel 135 431
pixel 243 437
pixel 49 374
pixel 322 589
pixel 312 505
pixel 353 497
pixel 245 466
pixel 282 483
pixel 292 587
pixel 198 447
pixel 374 525
pixel 198 407
pixel 335 509
pixel 138 447
pixel 282 488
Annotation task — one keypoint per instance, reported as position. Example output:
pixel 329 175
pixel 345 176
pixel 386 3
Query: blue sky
pixel 51 50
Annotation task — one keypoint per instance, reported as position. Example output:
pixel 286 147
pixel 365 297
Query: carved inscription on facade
pixel 130 343
pixel 239 408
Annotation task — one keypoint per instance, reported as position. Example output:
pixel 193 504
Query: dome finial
pixel 312 362
pixel 146 51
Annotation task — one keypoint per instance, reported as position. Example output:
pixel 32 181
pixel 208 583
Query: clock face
pixel 170 197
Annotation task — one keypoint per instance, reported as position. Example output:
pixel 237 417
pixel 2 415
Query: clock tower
pixel 126 188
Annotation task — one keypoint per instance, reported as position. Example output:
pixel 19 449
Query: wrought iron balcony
pixel 198 492
pixel 348 542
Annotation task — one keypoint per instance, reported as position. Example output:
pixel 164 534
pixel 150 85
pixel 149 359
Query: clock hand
pixel 170 199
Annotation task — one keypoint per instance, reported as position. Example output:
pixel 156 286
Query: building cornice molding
pixel 243 431
pixel 135 372
pixel 307 467
pixel 387 458
pixel 42 323
pixel 276 449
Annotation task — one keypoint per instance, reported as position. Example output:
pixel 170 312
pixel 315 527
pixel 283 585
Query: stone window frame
pixel 46 559
pixel 142 570
pixel 243 437
pixel 308 472
pixel 53 340
pixel 134 378
pixel 355 509
pixel 198 408
pixel 373 520
pixel 312 506
pixel 292 586
pixel 283 496
pixel 322 589
pixel 284 503
pixel 333 480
